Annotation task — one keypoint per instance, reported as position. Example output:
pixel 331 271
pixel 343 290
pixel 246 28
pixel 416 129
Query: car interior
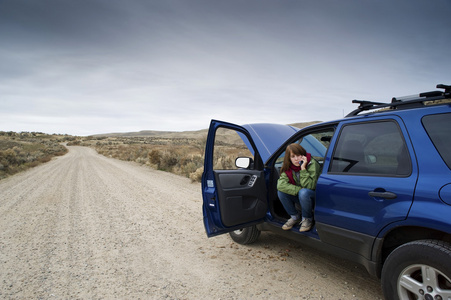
pixel 317 144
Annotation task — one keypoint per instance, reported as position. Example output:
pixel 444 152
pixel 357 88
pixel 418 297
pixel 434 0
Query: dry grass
pixel 21 151
pixel 181 156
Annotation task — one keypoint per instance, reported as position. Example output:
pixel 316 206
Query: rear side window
pixel 375 148
pixel 438 128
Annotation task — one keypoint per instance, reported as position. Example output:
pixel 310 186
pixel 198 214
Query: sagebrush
pixel 21 151
pixel 181 156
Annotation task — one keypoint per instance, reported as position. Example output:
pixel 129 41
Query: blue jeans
pixel 305 198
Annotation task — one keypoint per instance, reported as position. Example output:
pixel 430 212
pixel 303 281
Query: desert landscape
pixel 100 179
pixel 89 226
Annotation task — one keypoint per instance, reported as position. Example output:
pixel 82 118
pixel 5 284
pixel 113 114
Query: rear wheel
pixel 246 235
pixel 418 270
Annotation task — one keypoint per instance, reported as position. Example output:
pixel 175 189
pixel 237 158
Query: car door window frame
pixel 363 163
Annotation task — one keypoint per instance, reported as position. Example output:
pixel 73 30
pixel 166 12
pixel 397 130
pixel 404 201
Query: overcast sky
pixel 84 67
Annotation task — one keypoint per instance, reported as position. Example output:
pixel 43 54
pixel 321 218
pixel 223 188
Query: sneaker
pixel 306 225
pixel 290 223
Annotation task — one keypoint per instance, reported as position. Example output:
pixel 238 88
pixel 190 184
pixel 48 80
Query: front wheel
pixel 418 270
pixel 246 235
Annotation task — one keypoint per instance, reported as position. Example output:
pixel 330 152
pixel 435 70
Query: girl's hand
pixel 303 162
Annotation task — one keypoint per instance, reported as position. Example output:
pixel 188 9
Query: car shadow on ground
pixel 316 263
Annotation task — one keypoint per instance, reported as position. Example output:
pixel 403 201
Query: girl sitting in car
pixel 296 185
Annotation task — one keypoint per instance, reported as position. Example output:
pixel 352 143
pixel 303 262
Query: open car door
pixel 233 197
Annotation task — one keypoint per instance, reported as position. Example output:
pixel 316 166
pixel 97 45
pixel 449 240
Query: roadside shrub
pixel 226 162
pixel 141 160
pixel 183 157
pixel 154 157
pixel 8 157
pixel 20 151
pixel 196 176
pixel 74 143
pixel 168 160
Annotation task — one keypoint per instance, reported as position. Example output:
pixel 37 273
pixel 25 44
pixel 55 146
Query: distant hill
pixel 157 134
pixel 198 134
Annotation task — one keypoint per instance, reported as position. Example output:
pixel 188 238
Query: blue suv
pixel 383 197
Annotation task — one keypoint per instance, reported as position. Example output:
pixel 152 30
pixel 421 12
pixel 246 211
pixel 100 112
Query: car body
pixel 383 198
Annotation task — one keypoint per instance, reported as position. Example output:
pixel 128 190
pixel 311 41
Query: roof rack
pixel 403 102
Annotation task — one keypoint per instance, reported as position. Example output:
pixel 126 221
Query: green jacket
pixel 307 179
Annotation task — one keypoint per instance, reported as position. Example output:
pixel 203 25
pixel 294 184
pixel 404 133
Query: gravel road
pixel 84 226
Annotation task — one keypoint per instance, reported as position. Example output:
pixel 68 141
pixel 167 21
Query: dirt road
pixel 84 226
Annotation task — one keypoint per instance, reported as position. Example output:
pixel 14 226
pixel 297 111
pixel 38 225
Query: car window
pixel 438 128
pixel 315 143
pixel 228 146
pixel 374 148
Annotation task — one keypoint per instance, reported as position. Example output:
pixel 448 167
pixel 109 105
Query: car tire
pixel 246 235
pixel 404 271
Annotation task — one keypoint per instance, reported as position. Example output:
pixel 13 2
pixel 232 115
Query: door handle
pixel 245 180
pixel 384 194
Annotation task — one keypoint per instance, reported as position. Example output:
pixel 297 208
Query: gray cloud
pixel 85 67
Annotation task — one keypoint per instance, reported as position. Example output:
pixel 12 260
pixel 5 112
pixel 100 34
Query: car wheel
pixel 246 235
pixel 418 270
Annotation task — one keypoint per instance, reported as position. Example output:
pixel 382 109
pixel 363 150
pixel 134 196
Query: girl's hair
pixel 292 148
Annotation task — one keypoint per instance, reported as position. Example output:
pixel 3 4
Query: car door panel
pixel 241 196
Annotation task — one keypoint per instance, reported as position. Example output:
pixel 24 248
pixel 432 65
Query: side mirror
pixel 243 162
